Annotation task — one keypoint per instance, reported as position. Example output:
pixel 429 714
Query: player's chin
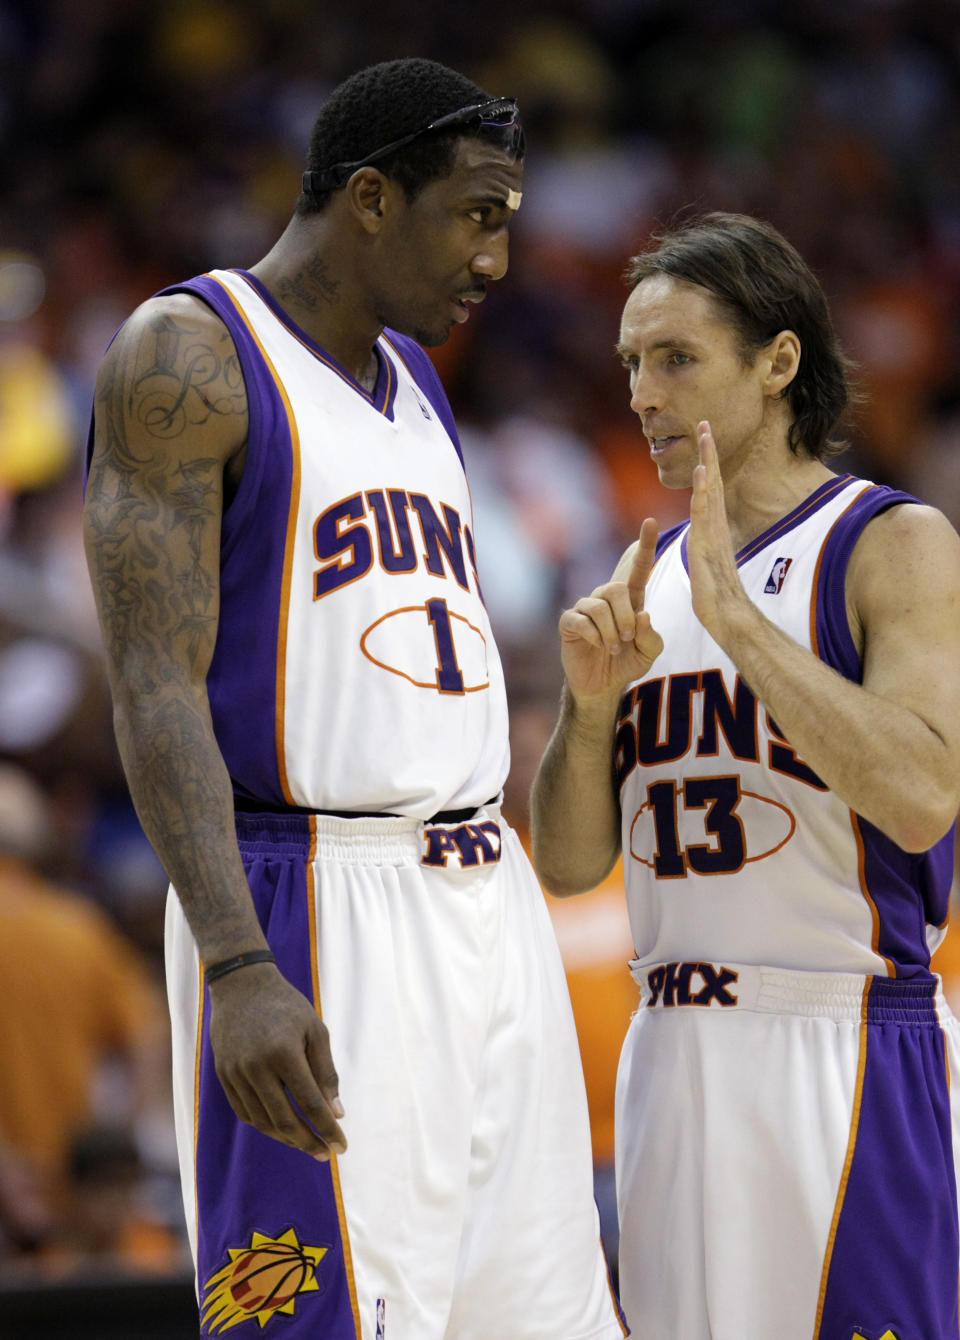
pixel 674 471
pixel 675 479
pixel 432 335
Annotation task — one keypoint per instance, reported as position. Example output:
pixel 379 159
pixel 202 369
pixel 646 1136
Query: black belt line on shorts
pixel 246 806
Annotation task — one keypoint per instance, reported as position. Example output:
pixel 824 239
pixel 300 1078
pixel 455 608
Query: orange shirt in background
pixel 74 992
pixel 594 937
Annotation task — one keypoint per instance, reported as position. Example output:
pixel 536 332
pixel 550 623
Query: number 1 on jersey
pixel 449 678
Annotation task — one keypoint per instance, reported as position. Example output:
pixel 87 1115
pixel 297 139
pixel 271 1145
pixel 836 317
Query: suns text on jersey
pixel 379 525
pixel 655 725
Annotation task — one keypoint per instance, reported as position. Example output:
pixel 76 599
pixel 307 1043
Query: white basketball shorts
pixel 463 1208
pixel 787 1156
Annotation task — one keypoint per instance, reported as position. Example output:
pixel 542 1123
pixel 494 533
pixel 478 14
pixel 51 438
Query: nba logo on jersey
pixel 381 1319
pixel 777 576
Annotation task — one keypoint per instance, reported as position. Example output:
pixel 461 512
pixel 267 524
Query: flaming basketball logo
pixel 260 1281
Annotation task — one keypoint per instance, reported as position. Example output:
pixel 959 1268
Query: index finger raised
pixel 644 557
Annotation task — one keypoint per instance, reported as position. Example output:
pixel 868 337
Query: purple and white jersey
pixel 733 848
pixel 354 667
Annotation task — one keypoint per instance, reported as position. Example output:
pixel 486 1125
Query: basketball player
pixel 311 713
pixel 762 709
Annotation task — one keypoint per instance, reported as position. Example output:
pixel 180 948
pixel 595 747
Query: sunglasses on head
pixel 497 120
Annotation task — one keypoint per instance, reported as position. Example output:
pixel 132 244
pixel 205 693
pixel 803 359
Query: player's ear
pixel 366 193
pixel 781 360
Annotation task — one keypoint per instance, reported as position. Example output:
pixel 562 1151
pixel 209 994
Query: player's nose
pixel 645 396
pixel 492 261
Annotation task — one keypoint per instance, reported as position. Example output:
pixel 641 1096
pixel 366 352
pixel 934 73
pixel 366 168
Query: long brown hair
pixel 762 286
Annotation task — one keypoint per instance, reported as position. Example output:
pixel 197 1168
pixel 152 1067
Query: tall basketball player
pixel 311 713
pixel 762 710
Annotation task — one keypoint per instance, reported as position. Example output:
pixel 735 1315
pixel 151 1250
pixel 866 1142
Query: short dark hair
pixel 762 285
pixel 380 104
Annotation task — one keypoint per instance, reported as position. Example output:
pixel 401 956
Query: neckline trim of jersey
pixel 812 503
pixel 382 396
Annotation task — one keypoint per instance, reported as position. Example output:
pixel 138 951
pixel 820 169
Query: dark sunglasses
pixel 498 120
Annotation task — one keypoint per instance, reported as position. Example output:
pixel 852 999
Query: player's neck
pixel 306 274
pixel 757 498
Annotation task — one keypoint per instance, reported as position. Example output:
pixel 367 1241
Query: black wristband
pixel 226 965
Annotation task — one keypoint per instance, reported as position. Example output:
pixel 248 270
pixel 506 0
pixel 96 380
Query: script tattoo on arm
pixel 153 510
pixel 170 410
pixel 187 380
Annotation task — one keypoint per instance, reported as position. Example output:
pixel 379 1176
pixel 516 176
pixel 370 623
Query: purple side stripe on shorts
pixel 269 1240
pixel 894 1265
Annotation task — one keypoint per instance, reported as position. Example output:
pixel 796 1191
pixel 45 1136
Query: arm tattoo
pixel 175 390
pixel 182 794
pixel 152 520
pixel 150 514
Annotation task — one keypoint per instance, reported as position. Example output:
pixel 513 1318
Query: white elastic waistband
pixel 369 840
pixel 730 986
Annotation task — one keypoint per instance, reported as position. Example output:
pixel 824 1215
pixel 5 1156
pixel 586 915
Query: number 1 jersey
pixel 354 668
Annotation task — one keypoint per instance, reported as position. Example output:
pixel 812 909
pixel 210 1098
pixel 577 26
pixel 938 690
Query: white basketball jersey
pixel 355 668
pixel 733 848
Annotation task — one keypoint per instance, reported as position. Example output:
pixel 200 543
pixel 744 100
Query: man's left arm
pixel 889 747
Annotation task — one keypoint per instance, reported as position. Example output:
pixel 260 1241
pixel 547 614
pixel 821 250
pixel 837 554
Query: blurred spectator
pixel 37 431
pixel 82 1030
pixel 27 1218
pixel 541 497
pixel 108 1225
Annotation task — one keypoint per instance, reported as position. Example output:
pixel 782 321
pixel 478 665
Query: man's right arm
pixel 169 415
pixel 606 642
pixel 574 811
pixel 170 428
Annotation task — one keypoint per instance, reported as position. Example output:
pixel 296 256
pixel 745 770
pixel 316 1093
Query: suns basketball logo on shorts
pixel 262 1279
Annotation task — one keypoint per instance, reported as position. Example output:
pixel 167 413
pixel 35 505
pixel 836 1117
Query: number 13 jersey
pixel 354 668
pixel 733 848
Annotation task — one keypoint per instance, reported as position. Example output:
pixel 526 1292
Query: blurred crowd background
pixel 146 141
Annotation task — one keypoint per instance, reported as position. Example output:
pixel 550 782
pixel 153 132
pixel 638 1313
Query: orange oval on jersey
pixel 766 825
pixel 417 644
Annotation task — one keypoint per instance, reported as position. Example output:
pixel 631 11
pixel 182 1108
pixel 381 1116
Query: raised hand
pixel 711 557
pixel 606 639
